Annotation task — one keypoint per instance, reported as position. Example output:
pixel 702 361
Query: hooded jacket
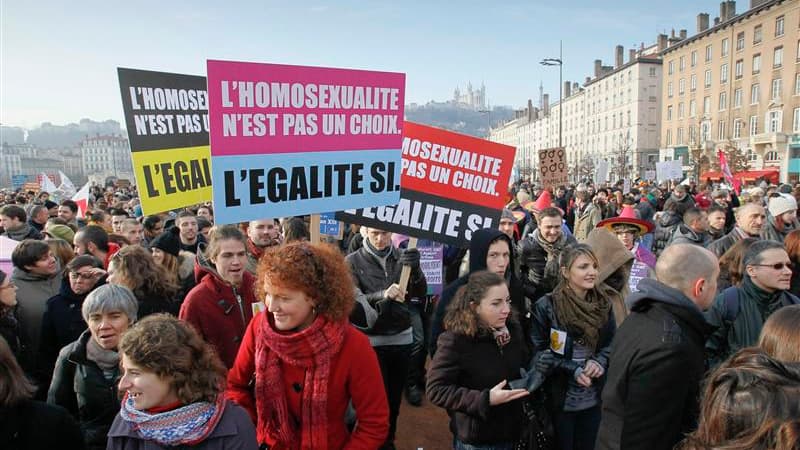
pixel 755 305
pixel 685 235
pixel 586 220
pixel 650 399
pixel 665 227
pixel 615 268
pixel 478 248
pixel 219 311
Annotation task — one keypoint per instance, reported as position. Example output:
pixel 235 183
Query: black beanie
pixel 168 242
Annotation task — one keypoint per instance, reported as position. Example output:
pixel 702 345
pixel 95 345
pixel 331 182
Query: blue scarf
pixel 187 425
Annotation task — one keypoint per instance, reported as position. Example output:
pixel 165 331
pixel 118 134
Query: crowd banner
pixel 452 185
pixel 166 115
pixel 292 140
pixel 553 167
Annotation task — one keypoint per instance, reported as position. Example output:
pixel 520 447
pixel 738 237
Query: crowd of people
pixel 588 318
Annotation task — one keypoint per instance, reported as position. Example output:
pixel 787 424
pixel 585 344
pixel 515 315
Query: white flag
pixel 66 185
pixel 82 199
pixel 45 184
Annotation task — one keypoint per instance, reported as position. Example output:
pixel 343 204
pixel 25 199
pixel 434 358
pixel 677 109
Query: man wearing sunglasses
pixel 739 312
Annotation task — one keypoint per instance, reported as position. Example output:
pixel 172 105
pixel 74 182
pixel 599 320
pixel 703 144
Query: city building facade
pixel 107 154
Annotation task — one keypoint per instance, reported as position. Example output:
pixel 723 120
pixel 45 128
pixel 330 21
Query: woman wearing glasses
pixel 739 312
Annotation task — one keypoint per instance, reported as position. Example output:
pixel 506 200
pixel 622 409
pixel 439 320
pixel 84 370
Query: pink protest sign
pixel 273 108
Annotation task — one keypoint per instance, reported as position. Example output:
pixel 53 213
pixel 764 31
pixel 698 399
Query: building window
pixel 691 134
pixel 777 57
pixel 740 41
pixel 774 119
pixel 754 94
pixel 737 128
pixel 705 131
pixel 776 88
pixel 681 86
pixel 679 136
pixel 681 63
pixel 721 130
pixel 753 125
pixel 725 47
pixel 737 98
pixel 707 80
pixel 796 121
pixel 671 67
pixel 757 63
pixel 692 108
pixel 669 137
pixel 693 83
pixel 797 84
pixel 652 71
pixel 709 53
pixel 779 26
pixel 669 112
pixel 757 34
pixel 751 155
pixel 693 61
pixel 739 69
pixel 669 89
pixel 706 105
pixel 723 73
pixel 680 110
pixel 723 101
pixel 771 156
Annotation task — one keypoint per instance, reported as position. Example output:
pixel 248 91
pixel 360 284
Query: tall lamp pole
pixel 560 63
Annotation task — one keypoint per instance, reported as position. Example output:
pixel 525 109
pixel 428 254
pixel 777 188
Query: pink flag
pixel 726 171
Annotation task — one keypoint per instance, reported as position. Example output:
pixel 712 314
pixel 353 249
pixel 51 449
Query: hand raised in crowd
pixel 498 395
pixel 410 257
pixel 593 369
pixel 395 293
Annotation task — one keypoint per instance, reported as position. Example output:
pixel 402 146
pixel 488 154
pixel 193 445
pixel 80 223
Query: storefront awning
pixel 770 175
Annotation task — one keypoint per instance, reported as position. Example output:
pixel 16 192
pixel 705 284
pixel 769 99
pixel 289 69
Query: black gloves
pixel 546 362
pixel 410 257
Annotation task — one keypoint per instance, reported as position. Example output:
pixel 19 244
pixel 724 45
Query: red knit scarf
pixel 254 250
pixel 311 349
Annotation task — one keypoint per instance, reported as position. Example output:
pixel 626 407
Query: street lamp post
pixel 560 63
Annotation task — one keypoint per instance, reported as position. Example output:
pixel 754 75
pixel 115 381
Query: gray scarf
pixel 107 360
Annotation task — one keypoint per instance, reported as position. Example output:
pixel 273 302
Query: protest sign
pixel 601 173
pixel 17 181
pixel 166 115
pixel 553 167
pixel 292 140
pixel 430 261
pixel 626 185
pixel 650 175
pixel 329 226
pixel 669 170
pixel 452 185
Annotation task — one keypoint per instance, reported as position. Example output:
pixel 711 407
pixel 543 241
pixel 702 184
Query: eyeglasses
pixel 82 275
pixel 776 266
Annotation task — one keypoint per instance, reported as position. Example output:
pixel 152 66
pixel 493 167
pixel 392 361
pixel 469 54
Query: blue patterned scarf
pixel 187 425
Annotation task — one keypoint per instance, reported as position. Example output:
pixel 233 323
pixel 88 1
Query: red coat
pixel 213 307
pixel 355 375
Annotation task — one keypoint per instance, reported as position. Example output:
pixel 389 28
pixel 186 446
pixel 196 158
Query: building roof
pixel 623 67
pixel 722 25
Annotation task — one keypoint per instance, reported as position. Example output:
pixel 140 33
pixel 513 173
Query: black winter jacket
pixel 723 244
pixel 372 280
pixel 532 262
pixel 544 319
pixel 665 227
pixel 652 389
pixel 460 377
pixel 32 425
pixel 80 386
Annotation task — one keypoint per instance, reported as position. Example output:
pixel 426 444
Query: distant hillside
pixel 458 118
pixel 62 136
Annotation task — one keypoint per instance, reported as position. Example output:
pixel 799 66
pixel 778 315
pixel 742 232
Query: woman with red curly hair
pixel 307 361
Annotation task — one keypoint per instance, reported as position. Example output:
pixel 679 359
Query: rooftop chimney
pixel 631 54
pixel 662 42
pixel 598 68
pixel 546 104
pixel 575 87
pixel 619 51
pixel 716 21
pixel 567 89
pixel 588 80
pixel 702 22
pixel 530 110
pixel 683 34
pixel 731 10
pixel 723 10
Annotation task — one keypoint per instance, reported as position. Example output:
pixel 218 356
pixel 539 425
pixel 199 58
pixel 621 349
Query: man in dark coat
pixel 693 230
pixel 538 254
pixel 650 396
pixel 15 224
pixel 750 219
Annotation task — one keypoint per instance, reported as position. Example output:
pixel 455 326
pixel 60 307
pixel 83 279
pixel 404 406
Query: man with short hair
pixel 716 222
pixel 376 269
pixel 507 223
pixel 693 230
pixel 93 240
pixel 38 217
pixel 68 210
pixel 186 222
pixel 117 217
pixel 680 194
pixel 739 312
pixel 15 224
pixel 261 234
pixel 131 229
pixel 750 219
pixel 725 199
pixel 152 226
pixel 538 254
pixel 656 364
pixel 35 274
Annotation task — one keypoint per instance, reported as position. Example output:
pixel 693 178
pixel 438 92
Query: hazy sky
pixel 58 59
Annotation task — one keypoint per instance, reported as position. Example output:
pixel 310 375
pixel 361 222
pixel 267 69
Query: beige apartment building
pixel 736 82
